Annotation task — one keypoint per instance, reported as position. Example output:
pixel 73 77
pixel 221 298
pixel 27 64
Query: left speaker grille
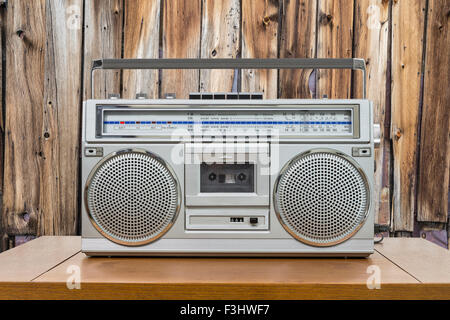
pixel 132 197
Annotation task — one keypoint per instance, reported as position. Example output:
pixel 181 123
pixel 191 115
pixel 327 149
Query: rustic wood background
pixel 48 46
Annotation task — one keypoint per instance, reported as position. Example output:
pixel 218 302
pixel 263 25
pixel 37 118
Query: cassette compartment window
pixel 227 177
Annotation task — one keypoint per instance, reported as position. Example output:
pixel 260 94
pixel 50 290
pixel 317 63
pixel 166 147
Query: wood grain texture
pixel 423 259
pixel 241 278
pixel 297 40
pixel 28 261
pixel 407 44
pixel 223 291
pixel 2 84
pixel 220 39
pixel 103 39
pixel 25 48
pixel 43 59
pixel 335 36
pixel 231 278
pixel 260 40
pixel 223 278
pixel 3 236
pixel 227 270
pixel 141 40
pixel 181 39
pixel 61 119
pixel 434 165
pixel 371 43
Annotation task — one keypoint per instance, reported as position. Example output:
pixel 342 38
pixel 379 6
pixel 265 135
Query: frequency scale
pixel 331 121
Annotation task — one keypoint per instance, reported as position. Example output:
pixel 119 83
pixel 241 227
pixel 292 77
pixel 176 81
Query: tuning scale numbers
pixel 304 122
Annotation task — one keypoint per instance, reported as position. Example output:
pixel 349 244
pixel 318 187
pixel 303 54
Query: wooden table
pixel 409 269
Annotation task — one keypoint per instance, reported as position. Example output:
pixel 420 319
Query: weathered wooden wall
pixel 48 46
pixel 4 240
pixel 24 82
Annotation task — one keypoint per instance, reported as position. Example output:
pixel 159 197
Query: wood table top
pixel 409 268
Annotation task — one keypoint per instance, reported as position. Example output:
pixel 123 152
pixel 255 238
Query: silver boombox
pixel 228 173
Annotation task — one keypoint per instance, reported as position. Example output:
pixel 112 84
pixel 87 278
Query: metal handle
pixel 290 63
pixel 376 135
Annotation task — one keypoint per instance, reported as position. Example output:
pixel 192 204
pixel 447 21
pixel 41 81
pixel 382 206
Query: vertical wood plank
pixel 103 39
pixel 407 45
pixel 335 37
pixel 25 43
pixel 141 40
pixel 371 42
pixel 434 165
pixel 61 115
pixel 220 39
pixel 2 85
pixel 260 40
pixel 181 39
pixel 3 236
pixel 298 40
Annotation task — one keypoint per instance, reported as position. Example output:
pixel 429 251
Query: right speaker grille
pixel 321 198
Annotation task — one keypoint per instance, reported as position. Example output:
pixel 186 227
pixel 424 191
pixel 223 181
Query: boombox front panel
pixel 243 218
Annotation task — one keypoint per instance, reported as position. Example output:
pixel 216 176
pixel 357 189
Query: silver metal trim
pixel 156 157
pixel 340 154
pixel 354 108
pixel 376 135
pixel 241 107
pixel 227 247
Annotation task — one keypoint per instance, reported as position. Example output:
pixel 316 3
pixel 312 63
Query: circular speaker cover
pixel 132 197
pixel 321 197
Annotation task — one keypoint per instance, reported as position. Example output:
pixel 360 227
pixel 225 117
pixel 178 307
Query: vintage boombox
pixel 228 173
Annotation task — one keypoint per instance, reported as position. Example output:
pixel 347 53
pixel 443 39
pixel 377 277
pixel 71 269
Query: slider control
pixel 254 220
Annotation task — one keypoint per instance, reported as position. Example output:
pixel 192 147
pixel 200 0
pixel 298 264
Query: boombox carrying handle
pixel 289 63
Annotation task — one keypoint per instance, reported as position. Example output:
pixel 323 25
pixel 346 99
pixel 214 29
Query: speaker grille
pixel 132 197
pixel 321 198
